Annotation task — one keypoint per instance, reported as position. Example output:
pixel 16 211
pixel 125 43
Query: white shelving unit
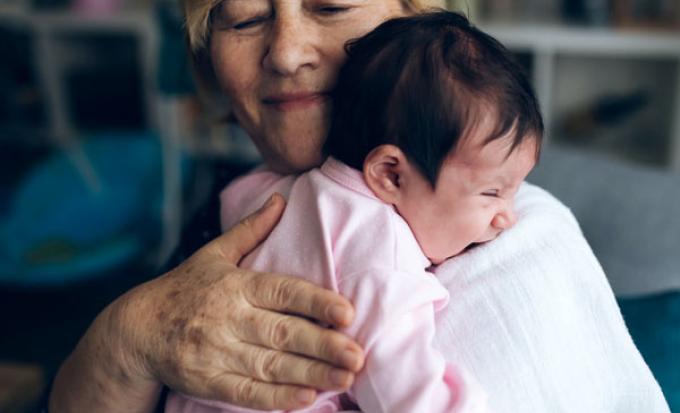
pixel 547 43
pixel 52 58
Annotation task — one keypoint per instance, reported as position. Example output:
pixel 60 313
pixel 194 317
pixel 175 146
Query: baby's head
pixel 442 122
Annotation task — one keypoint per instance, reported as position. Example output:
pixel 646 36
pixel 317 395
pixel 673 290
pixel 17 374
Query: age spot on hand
pixel 195 337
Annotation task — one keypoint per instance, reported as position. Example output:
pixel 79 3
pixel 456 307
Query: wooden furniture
pixel 656 14
pixel 21 387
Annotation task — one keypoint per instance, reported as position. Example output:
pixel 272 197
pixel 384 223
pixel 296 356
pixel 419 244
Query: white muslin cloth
pixel 532 317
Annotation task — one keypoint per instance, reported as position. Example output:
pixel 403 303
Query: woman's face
pixel 277 60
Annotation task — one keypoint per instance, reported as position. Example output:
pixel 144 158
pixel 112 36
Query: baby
pixel 434 128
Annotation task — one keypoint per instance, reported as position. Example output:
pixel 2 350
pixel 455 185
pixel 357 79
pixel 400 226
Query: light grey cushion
pixel 629 214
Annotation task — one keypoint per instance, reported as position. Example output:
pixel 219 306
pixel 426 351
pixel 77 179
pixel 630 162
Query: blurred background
pixel 106 151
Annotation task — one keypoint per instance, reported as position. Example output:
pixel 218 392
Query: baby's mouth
pixel 466 249
pixel 463 251
pixel 473 245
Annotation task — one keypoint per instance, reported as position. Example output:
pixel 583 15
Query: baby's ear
pixel 384 170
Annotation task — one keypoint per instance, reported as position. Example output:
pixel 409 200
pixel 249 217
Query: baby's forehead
pixel 486 132
pixel 481 154
pixel 498 159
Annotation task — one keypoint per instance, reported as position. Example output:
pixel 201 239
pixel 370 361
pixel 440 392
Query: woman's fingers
pixel 279 293
pixel 297 335
pixel 250 232
pixel 247 392
pixel 256 382
pixel 297 296
pixel 213 330
pixel 271 366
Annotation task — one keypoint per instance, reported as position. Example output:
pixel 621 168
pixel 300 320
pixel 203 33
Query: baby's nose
pixel 505 219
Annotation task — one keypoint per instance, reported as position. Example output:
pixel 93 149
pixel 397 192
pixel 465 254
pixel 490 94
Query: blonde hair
pixel 197 18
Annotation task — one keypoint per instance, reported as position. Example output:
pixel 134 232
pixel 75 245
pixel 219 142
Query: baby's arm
pixel 403 372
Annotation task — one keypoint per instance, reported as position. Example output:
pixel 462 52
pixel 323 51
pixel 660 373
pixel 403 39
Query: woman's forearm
pixel 104 374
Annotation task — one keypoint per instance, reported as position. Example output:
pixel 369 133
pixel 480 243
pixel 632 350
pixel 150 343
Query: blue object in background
pixel 654 323
pixel 60 227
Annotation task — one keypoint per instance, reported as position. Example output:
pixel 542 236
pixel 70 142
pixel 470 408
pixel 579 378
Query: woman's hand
pixel 209 329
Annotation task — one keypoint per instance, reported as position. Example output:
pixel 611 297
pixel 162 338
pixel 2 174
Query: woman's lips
pixel 294 101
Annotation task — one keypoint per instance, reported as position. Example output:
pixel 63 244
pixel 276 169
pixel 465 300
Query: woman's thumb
pixel 243 237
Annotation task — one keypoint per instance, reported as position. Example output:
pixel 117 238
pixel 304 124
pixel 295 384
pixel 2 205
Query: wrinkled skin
pixel 265 53
pixel 214 336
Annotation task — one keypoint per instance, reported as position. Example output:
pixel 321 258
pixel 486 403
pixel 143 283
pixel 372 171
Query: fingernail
pixel 340 314
pixel 305 396
pixel 339 378
pixel 269 202
pixel 349 358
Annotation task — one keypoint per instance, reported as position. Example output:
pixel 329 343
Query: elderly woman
pixel 542 333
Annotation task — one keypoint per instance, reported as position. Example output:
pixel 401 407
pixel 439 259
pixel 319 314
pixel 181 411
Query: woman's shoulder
pixel 204 223
pixel 247 193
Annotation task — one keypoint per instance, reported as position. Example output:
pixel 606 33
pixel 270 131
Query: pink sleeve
pixel 403 372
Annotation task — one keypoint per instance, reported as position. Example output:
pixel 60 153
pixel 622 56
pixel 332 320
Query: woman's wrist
pixel 108 372
pixel 130 332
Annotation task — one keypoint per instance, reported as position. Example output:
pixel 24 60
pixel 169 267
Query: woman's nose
pixel 505 219
pixel 291 46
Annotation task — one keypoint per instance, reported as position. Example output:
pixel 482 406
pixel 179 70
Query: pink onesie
pixel 336 233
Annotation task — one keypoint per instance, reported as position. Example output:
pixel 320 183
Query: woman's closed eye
pixel 249 23
pixel 256 21
pixel 240 16
pixel 332 10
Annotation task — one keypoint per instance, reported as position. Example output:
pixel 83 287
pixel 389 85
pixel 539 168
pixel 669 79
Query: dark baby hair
pixel 422 83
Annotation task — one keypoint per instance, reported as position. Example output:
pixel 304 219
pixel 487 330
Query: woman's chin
pixel 293 163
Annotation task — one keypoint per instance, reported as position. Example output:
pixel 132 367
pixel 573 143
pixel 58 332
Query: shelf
pixel 548 43
pixel 582 40
pixel 135 20
pixel 8 11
